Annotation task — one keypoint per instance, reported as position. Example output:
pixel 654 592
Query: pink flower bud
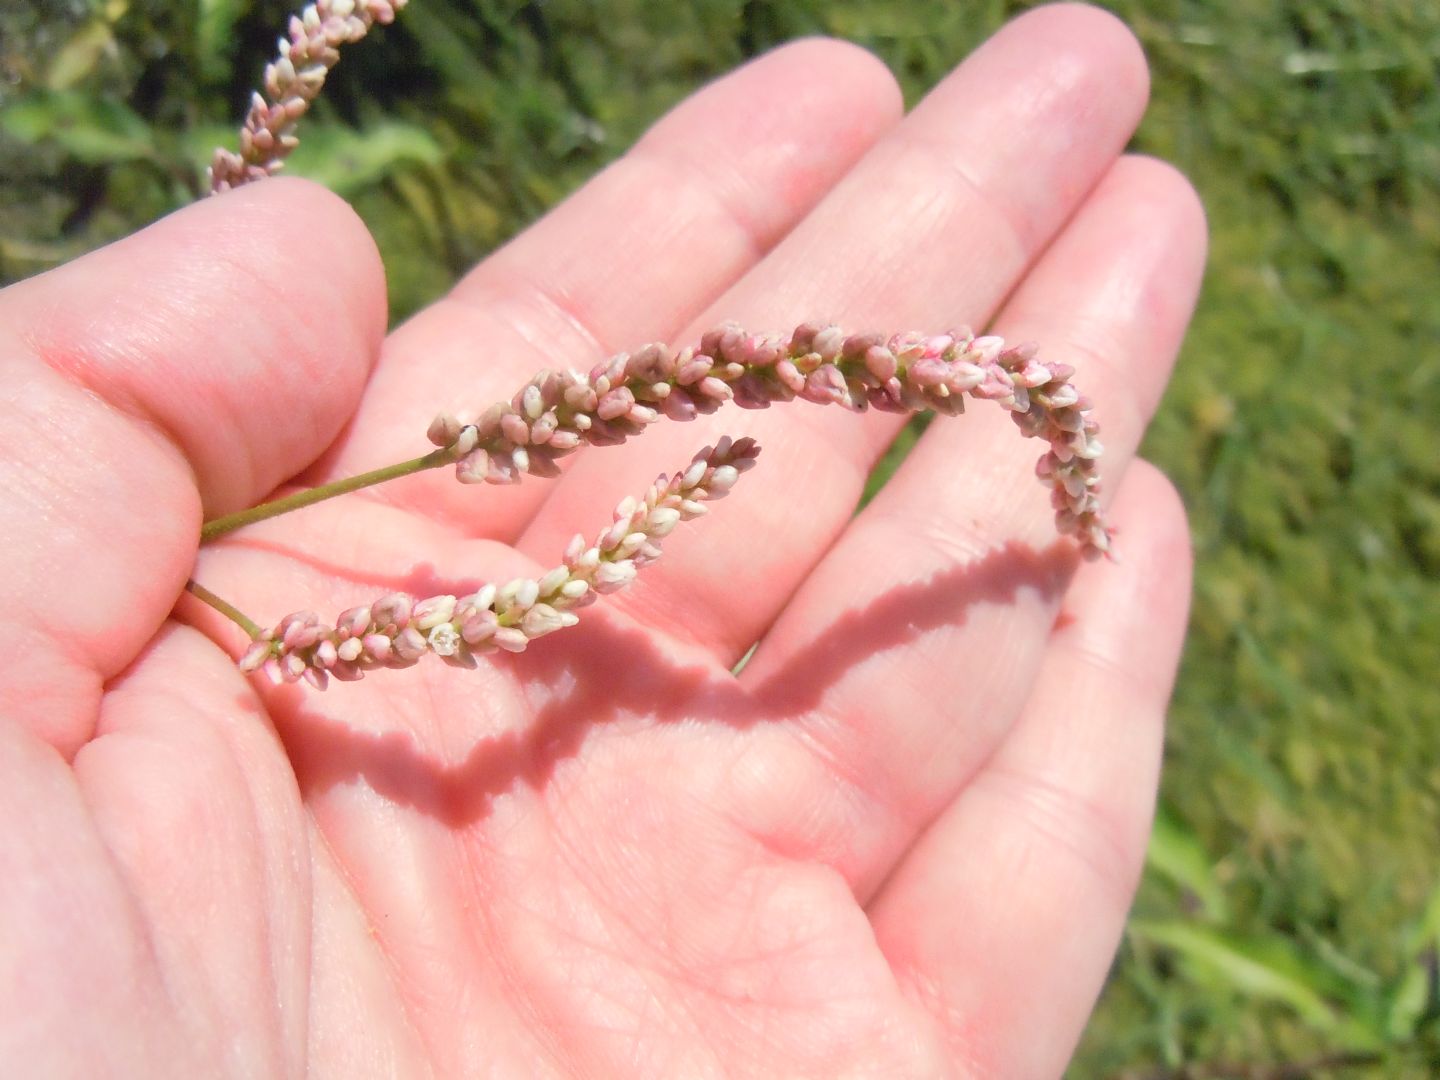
pixel 662 520
pixel 511 639
pixel 301 630
pixel 802 340
pixel 479 626
pixel 473 468
pixel 256 655
pixel 1011 358
pixel 613 576
pixel 826 386
pixel 855 346
pixel 543 619
pixel 581 397
pixel 1061 397
pixel 543 428
pixel 715 389
pixel 392 610
pixel 929 372
pixel 651 363
pixel 937 346
pixel 1032 374
pixel 693 370
pixel 964 377
pixel 431 612
pixel 611 537
pixel 880 362
pixel 608 373
pixel 615 403
pixel 908 346
pixel 443 430
pixel 515 429
pixel 789 376
pixel 828 342
pixel 409 644
pixel 629 544
pixel 488 426
pixel 722 480
pixel 695 473
pixel 762 351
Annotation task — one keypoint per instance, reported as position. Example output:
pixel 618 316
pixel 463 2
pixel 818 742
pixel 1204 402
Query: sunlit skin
pixel 901 842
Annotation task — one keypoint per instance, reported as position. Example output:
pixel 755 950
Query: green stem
pixel 234 614
pixel 230 522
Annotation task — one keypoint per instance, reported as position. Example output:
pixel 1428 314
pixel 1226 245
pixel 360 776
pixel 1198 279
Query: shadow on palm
pixel 609 668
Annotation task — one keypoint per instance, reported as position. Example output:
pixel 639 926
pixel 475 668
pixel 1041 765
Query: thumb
pixel 182 372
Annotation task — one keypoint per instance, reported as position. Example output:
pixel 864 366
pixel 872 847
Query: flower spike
pixel 292 81
pixel 555 413
pixel 397 631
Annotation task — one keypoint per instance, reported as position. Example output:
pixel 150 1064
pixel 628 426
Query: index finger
pixel 630 258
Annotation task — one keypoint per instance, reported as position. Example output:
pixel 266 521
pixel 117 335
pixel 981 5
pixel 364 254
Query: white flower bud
pixel 614 576
pixel 445 640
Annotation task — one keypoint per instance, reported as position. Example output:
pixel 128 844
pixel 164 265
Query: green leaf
pixel 1414 1002
pixel 347 159
pixel 214 34
pixel 1426 934
pixel 94 130
pixel 76 59
pixel 1175 853
pixel 1267 968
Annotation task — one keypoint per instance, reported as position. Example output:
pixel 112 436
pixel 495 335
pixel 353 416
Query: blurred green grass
pixel 1291 909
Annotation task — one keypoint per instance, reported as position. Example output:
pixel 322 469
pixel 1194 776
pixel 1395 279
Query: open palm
pixel 901 842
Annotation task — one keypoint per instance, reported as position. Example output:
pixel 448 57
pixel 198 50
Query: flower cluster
pixel 556 412
pixel 396 631
pixel 292 81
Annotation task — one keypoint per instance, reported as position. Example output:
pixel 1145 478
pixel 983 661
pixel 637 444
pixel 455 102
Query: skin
pixel 902 842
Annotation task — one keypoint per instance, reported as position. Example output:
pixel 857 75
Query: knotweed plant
pixel 310 48
pixel 557 412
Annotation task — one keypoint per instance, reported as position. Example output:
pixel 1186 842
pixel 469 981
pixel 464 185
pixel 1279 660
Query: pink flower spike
pixel 291 82
pixel 396 631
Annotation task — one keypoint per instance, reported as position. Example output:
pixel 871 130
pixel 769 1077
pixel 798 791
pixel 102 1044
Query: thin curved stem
pixel 274 508
pixel 230 611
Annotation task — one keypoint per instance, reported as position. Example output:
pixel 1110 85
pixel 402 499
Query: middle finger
pixel 932 229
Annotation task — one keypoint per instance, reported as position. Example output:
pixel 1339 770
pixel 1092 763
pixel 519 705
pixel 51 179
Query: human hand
pixel 901 842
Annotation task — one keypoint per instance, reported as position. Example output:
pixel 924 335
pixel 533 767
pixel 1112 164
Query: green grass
pixel 1291 911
